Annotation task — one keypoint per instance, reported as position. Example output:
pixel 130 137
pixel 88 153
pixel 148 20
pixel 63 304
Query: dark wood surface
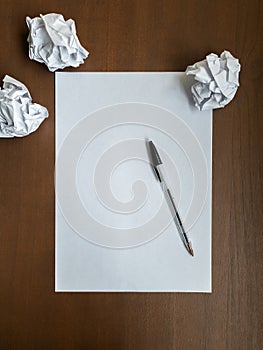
pixel 141 35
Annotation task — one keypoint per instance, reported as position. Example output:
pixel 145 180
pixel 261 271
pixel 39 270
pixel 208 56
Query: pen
pixel 156 162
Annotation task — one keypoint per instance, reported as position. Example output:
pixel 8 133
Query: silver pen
pixel 156 162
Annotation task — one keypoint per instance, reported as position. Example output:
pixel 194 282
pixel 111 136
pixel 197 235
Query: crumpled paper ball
pixel 217 80
pixel 53 41
pixel 19 116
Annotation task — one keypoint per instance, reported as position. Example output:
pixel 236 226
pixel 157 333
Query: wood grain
pixel 138 35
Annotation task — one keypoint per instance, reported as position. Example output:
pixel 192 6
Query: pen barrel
pixel 165 182
pixel 167 188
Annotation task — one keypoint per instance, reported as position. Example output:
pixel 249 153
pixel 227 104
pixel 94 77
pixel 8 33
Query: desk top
pixel 135 36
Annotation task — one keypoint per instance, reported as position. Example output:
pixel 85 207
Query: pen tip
pixel 190 249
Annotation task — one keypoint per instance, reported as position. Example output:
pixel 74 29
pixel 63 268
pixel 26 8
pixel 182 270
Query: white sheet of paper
pixel 113 227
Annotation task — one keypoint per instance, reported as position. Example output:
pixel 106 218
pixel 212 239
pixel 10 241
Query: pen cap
pixel 155 157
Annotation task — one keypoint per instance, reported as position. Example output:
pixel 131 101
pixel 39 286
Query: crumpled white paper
pixel 217 80
pixel 19 116
pixel 53 41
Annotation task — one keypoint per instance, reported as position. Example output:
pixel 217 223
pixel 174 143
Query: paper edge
pixel 58 290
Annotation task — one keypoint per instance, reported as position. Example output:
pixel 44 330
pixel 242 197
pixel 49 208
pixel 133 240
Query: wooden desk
pixel 136 36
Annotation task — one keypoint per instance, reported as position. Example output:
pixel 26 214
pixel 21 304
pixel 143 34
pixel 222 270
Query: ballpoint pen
pixel 157 162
